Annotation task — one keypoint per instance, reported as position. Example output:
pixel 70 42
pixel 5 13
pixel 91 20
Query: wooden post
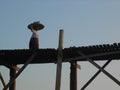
pixel 12 74
pixel 59 62
pixel 73 75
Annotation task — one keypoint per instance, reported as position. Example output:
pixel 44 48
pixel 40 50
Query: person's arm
pixel 35 33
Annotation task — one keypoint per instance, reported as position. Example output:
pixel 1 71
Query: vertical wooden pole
pixel 73 75
pixel 12 74
pixel 59 62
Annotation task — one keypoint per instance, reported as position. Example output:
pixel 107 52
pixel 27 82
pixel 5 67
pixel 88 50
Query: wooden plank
pixel 49 55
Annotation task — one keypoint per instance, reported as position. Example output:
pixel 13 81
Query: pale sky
pixel 85 22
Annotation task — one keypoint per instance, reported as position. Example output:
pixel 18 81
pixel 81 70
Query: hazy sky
pixel 85 22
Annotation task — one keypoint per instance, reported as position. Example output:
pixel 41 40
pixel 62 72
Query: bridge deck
pixel 97 52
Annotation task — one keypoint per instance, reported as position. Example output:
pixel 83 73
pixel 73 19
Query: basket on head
pixel 36 26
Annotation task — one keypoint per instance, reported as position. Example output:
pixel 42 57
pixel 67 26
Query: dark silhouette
pixel 34 41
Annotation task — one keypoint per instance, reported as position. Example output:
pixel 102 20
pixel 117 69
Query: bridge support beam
pixel 73 75
pixel 12 74
pixel 101 69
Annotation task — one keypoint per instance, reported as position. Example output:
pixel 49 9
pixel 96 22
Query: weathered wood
pixel 101 69
pixel 59 61
pixel 19 72
pixel 12 74
pixel 13 67
pixel 73 75
pixel 95 75
pixel 8 57
pixel 83 58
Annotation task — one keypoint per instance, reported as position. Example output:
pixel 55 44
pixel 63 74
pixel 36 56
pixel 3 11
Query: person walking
pixel 34 41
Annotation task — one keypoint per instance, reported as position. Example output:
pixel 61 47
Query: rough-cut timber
pixel 50 55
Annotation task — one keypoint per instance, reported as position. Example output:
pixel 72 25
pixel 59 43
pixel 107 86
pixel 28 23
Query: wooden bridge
pixel 12 58
pixel 49 55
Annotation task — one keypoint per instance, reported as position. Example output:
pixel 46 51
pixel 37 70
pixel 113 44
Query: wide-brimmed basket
pixel 36 26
